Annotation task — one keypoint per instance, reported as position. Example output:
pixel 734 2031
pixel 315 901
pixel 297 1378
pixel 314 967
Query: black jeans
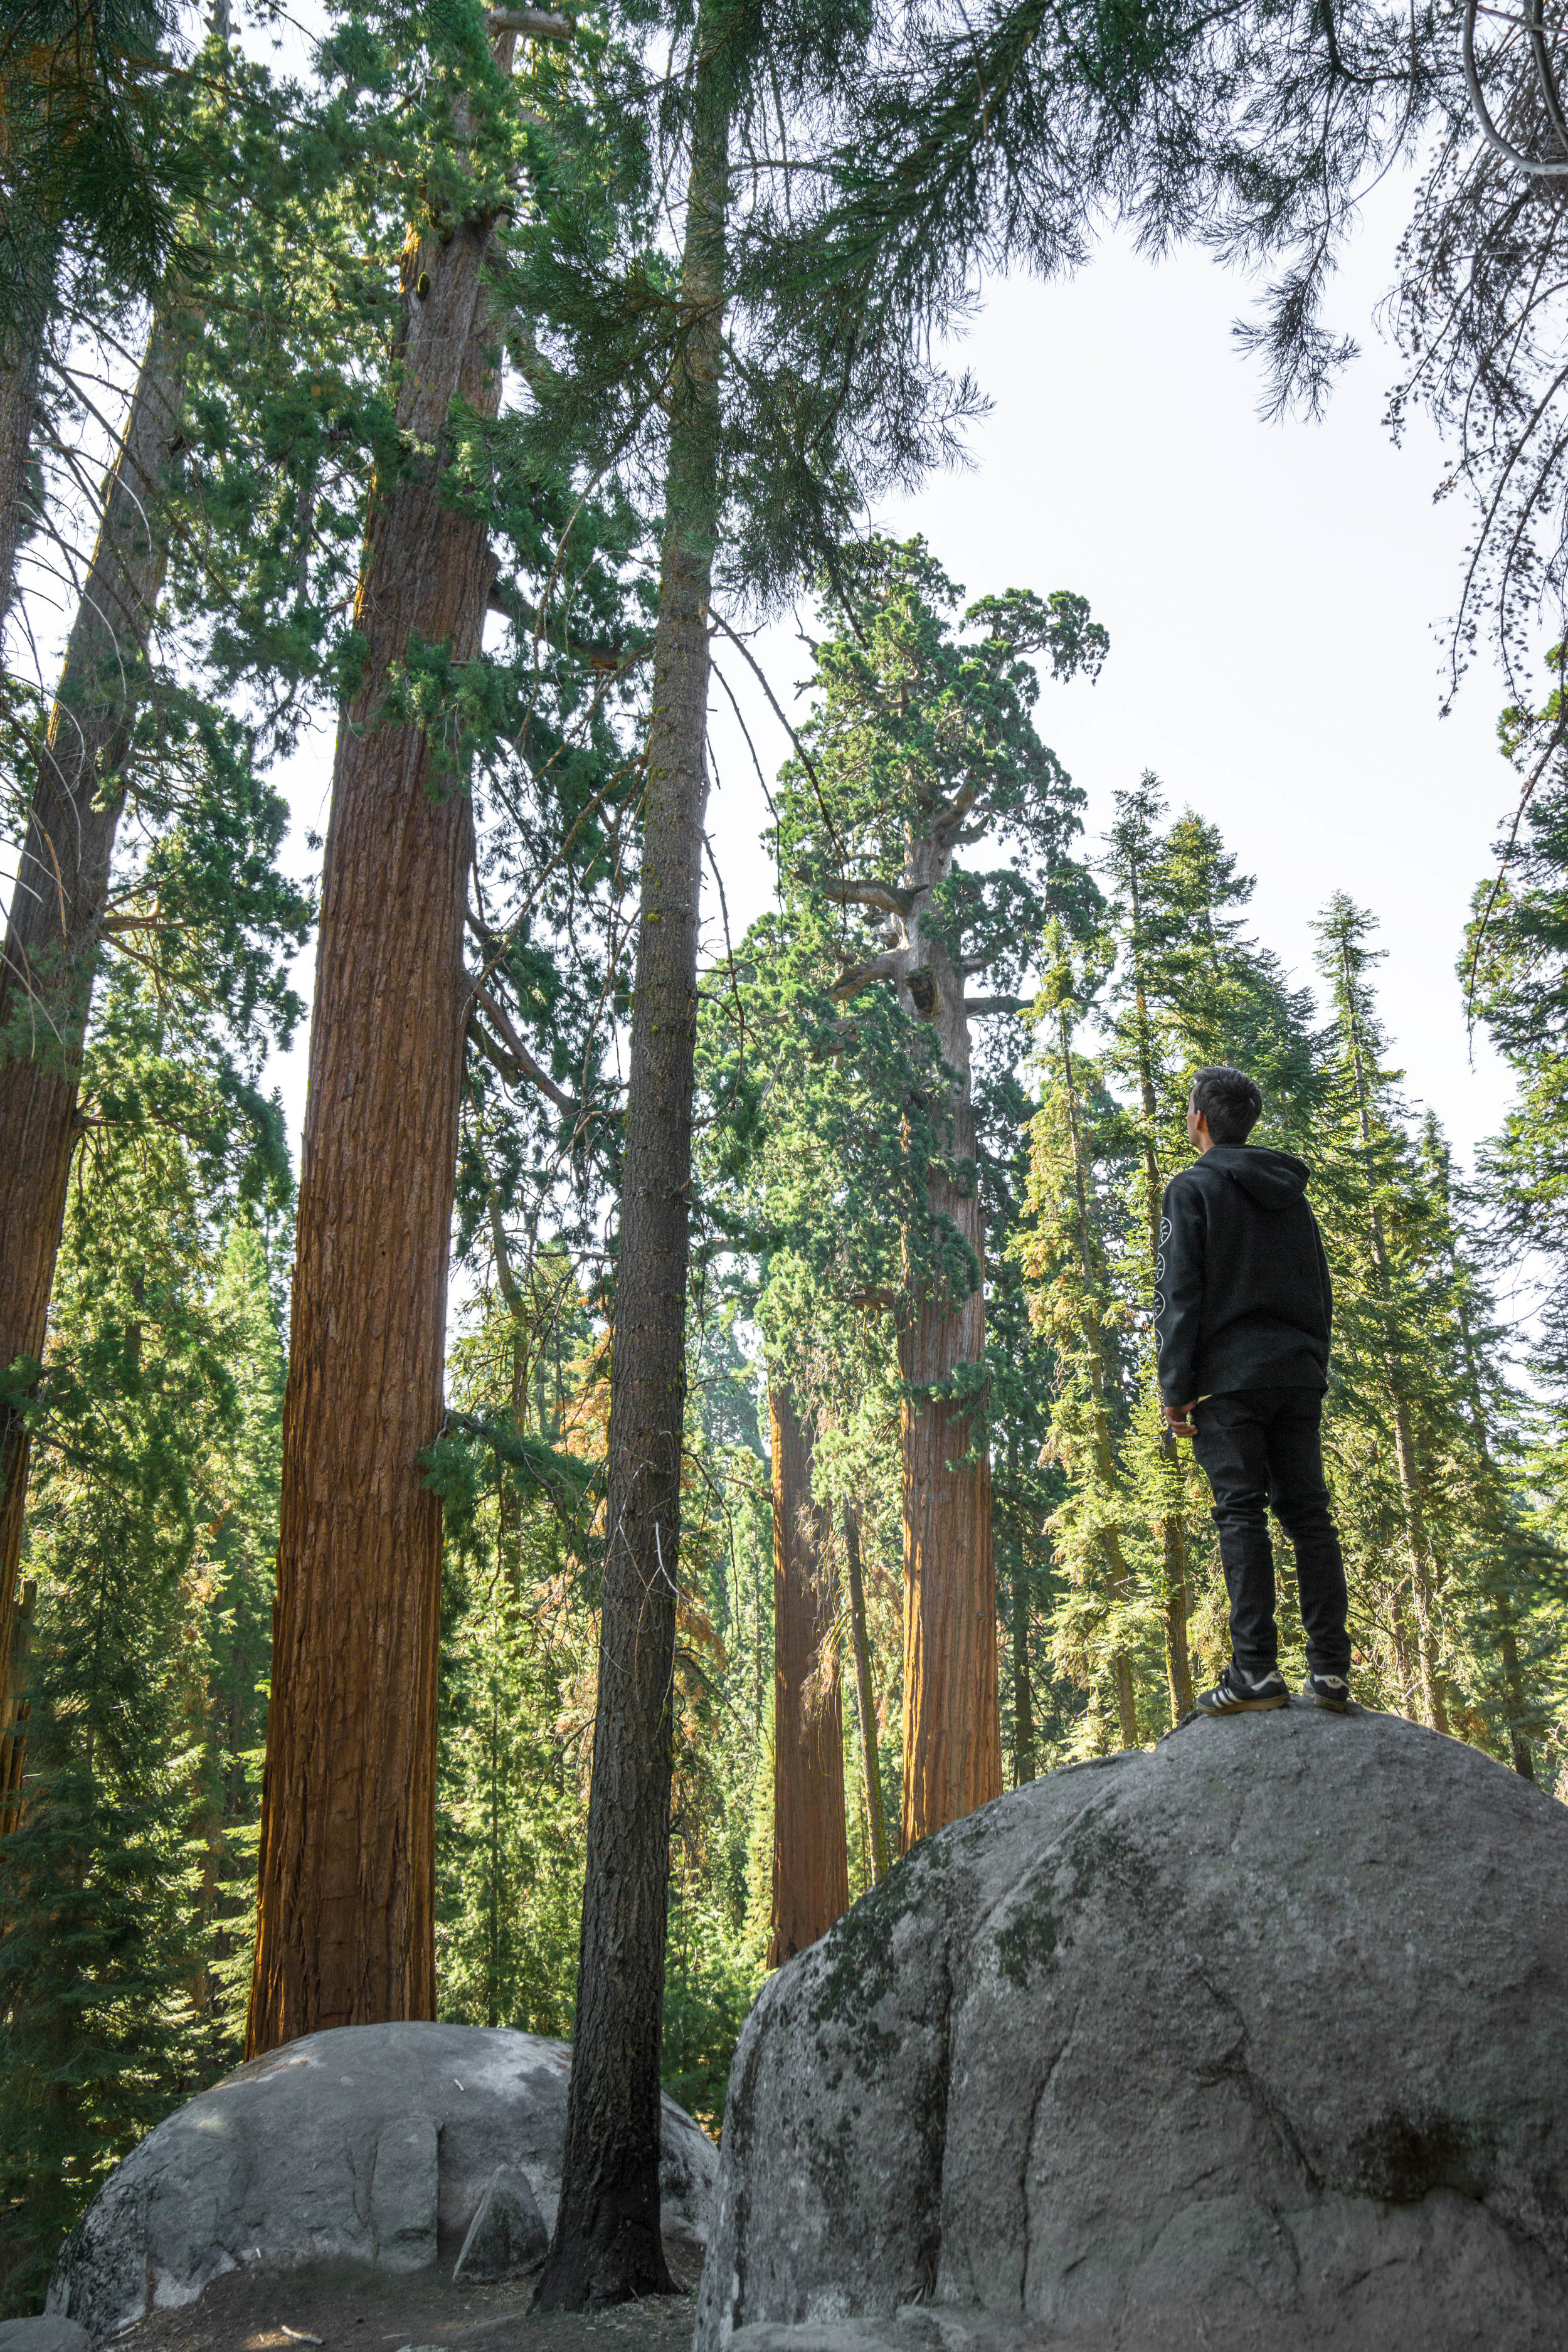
pixel 1259 1446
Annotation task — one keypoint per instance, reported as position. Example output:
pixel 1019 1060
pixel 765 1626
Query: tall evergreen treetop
pixel 824 401
pixel 1515 971
pixel 921 744
pixel 1220 995
pixel 91 162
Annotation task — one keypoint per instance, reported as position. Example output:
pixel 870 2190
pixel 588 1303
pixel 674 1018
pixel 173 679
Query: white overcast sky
pixel 1273 594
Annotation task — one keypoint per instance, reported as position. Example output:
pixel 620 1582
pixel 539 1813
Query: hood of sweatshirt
pixel 1275 1179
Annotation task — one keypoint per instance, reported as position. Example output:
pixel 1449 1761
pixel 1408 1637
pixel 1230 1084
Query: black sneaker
pixel 1237 1693
pixel 1328 1690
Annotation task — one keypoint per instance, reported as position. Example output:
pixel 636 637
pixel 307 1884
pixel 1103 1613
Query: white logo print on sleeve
pixel 1160 1268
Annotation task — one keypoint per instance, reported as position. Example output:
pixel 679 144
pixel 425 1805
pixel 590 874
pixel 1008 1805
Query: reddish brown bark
pixel 810 1852
pixel 953 1724
pixel 19 1651
pixel 55 933
pixel 346 1929
pixel 952 1721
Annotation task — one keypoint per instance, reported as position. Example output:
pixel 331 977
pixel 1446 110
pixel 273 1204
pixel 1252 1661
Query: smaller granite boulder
pixel 918 2327
pixel 507 2235
pixel 49 2334
pixel 373 2144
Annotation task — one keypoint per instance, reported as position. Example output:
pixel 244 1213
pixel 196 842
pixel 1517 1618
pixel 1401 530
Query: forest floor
pixel 346 2308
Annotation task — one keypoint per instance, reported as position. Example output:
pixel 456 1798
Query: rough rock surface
pixel 376 2143
pixel 49 2334
pixel 507 2236
pixel 1259 2039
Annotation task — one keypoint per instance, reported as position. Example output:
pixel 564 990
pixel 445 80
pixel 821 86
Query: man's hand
pixel 1176 1415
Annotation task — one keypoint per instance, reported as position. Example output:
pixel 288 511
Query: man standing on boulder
pixel 1244 1311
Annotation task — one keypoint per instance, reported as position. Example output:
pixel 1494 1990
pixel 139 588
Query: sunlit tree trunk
pixel 606 2246
pixel 1406 1666
pixel 1508 1644
pixel 1018 1632
pixel 1096 1349
pixel 1174 1539
pixel 1023 1691
pixel 811 1858
pixel 1411 1486
pixel 55 934
pixel 345 1928
pixel 866 1701
pixel 508 1514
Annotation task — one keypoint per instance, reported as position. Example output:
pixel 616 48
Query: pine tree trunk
pixel 1018 1632
pixel 1402 1647
pixel 1023 1691
pixel 1410 1481
pixel 345 1925
pixel 20 365
pixel 1126 1701
pixel 1100 1373
pixel 1432 1698
pixel 606 2246
pixel 1508 1646
pixel 1178 1656
pixel 509 1512
pixel 811 1858
pixel 1519 1746
pixel 55 931
pixel 1173 1524
pixel 876 1815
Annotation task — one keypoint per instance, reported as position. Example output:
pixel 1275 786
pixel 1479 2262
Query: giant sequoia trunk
pixel 18 1653
pixel 811 1854
pixel 55 932
pixel 952 1726
pixel 345 1926
pixel 607 2246
pixel 952 1723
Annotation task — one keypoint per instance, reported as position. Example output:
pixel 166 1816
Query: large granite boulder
pixel 376 2143
pixel 1259 2039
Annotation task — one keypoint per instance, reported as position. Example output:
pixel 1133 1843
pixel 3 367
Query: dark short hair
pixel 1230 1101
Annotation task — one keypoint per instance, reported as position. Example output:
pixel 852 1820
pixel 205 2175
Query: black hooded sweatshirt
pixel 1242 1296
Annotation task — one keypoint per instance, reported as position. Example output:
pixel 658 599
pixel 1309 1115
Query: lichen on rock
pixel 1263 2032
